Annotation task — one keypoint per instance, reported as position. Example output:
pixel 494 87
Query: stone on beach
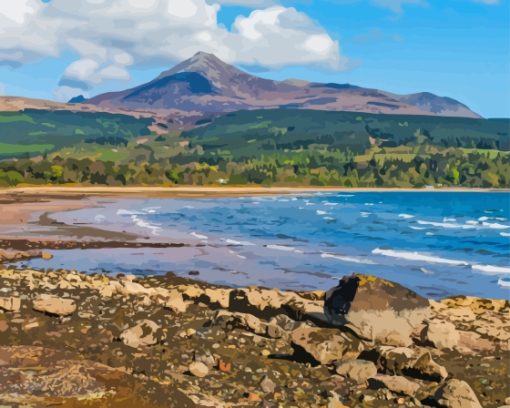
pixel 358 370
pixel 395 383
pixel 376 309
pixel 54 305
pixel 443 335
pixel 198 369
pixel 457 394
pixel 326 345
pixel 10 304
pixel 144 333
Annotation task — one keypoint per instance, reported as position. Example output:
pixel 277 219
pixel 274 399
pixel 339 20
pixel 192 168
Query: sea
pixel 437 243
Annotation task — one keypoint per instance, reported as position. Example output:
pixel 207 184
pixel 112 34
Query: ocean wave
pixel 238 243
pixel 504 283
pixel 320 212
pixel 329 218
pixel 449 219
pixel 329 204
pixel 417 228
pixel 495 225
pixel 153 228
pixel 365 214
pixel 151 210
pixel 505 234
pixel 283 248
pixel 405 216
pixel 345 195
pixel 128 212
pixel 491 269
pixel 350 259
pixel 416 256
pixel 99 218
pixel 448 225
pixel 199 236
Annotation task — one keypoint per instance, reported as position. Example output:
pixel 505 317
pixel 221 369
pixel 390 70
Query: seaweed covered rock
pixel 376 309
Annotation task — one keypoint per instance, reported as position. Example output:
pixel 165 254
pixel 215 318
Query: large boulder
pixel 376 309
pixel 457 394
pixel 325 345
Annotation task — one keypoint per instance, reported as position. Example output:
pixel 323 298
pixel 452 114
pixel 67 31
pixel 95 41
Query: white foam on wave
pixel 329 218
pixel 99 218
pixel 320 212
pixel 365 214
pixel 153 228
pixel 369 204
pixel 283 248
pixel 505 234
pixel 504 283
pixel 405 216
pixel 447 225
pixel 199 236
pixel 128 212
pixel 327 203
pixel 350 259
pixel 417 257
pixel 417 228
pixel 345 195
pixel 449 219
pixel 495 225
pixel 151 210
pixel 491 269
pixel 238 243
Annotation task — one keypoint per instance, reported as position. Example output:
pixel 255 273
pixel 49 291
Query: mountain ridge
pixel 204 85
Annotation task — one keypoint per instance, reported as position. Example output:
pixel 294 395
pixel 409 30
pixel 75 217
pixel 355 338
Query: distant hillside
pixel 204 86
pixel 246 132
pixel 37 131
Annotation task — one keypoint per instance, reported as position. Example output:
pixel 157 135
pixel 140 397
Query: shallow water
pixel 438 244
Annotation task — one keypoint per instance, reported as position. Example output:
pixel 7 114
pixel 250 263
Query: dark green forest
pixel 270 147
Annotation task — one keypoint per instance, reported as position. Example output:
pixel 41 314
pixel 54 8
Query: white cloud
pixel 112 36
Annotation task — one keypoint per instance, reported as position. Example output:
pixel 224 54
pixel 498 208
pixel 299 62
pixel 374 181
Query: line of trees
pixel 320 168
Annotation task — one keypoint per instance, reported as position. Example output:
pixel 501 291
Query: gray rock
pixel 376 309
pixel 357 370
pixel 442 335
pixel 395 383
pixel 457 394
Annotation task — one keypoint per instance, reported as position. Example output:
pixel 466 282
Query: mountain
pixel 204 86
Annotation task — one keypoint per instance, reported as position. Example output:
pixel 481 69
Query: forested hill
pixel 268 130
pixel 269 147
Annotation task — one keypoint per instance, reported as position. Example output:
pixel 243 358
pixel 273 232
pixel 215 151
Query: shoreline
pixel 220 191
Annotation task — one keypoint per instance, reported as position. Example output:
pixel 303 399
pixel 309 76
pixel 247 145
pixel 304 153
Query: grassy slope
pixel 39 131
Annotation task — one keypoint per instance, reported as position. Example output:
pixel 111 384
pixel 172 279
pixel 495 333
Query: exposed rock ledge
pixel 78 340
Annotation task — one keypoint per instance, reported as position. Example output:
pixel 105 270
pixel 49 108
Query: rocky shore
pixel 76 340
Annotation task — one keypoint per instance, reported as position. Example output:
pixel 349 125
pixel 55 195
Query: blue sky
pixel 456 48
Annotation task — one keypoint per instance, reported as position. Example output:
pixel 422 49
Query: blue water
pixel 438 244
